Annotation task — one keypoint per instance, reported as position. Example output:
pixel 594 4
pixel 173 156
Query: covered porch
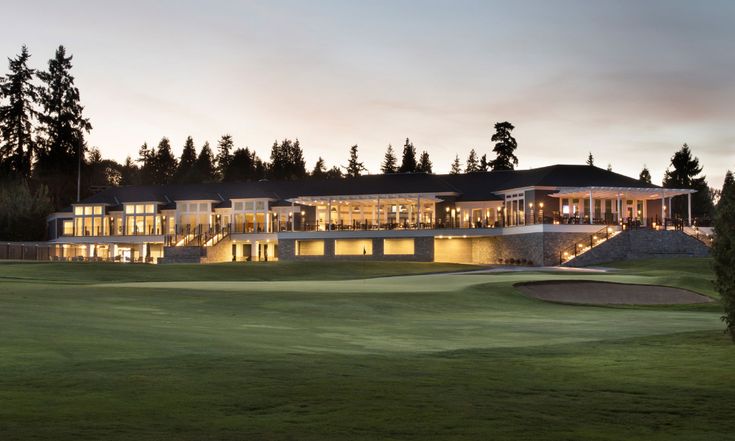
pixel 361 212
pixel 650 207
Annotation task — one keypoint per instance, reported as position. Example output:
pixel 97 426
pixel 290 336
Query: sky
pixel 628 81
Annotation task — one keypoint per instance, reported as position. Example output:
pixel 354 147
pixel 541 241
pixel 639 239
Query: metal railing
pixel 582 246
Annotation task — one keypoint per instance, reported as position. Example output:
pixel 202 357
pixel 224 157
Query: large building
pixel 542 216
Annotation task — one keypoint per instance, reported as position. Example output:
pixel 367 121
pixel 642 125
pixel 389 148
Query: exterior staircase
pixel 633 244
pixel 198 246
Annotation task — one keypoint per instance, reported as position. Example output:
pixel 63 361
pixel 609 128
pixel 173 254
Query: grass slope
pixel 121 352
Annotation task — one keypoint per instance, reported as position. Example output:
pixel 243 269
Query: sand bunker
pixel 606 293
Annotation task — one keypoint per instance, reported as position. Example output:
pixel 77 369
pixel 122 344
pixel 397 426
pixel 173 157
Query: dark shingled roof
pixel 467 187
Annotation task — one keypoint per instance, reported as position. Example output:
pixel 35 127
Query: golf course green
pixel 354 351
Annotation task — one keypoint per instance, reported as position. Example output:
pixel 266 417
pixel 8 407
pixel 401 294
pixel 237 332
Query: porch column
pixel 329 215
pixel 113 251
pixel 293 216
pixel 378 212
pixel 561 207
pixel 618 208
pixel 689 208
pixel 418 207
pixel 663 206
pixel 592 208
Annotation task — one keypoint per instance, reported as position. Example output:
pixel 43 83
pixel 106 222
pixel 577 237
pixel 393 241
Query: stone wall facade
pixel 423 251
pixel 642 244
pixel 181 255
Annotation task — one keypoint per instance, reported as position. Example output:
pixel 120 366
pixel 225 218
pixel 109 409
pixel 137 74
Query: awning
pixel 642 193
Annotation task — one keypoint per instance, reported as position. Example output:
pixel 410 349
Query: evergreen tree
pixel 320 169
pixel 685 174
pixel 408 162
pixel 24 210
pixel 484 164
pixel 204 166
pixel 164 163
pixel 185 171
pixel 63 126
pixel 505 146
pixel 425 165
pixel 17 116
pixel 147 159
pixel 287 161
pixel 241 167
pixel 472 164
pixel 645 175
pixel 224 155
pixel 354 167
pixel 590 160
pixel 129 173
pixel 334 173
pixel 723 252
pixel 456 167
pixel 389 161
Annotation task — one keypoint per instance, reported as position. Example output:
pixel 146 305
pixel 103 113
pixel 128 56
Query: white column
pixel 293 216
pixel 663 206
pixel 592 208
pixel 90 250
pixel 419 218
pixel 254 251
pixel 689 208
pixel 619 208
pixel 143 253
pixel 329 215
pixel 378 211
pixel 113 251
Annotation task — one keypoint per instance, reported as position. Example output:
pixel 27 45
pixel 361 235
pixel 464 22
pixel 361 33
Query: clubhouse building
pixel 542 216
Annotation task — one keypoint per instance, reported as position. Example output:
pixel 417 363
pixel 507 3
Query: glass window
pixel 78 227
pixel 129 209
pixel 238 206
pixel 149 208
pixel 203 207
pixel 259 205
pixel 79 211
pixel 87 211
pixel 68 228
pixel 249 205
pixel 97 210
pixel 140 208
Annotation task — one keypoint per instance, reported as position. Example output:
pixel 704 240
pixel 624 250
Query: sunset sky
pixel 628 81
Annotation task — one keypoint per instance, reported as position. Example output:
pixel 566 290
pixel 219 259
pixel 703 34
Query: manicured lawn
pixel 336 352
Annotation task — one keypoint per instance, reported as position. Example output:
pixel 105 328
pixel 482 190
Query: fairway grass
pixel 216 352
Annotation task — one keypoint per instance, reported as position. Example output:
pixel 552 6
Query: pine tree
pixel 645 175
pixel 505 146
pixel 354 167
pixel 241 167
pixel 334 173
pixel 685 174
pixel 723 252
pixel 164 163
pixel 472 164
pixel 287 161
pixel 389 161
pixel 17 116
pixel 456 167
pixel 204 165
pixel 185 171
pixel 129 173
pixel 224 155
pixel 147 159
pixel 63 127
pixel 320 169
pixel 590 160
pixel 425 165
pixel 408 162
pixel 484 165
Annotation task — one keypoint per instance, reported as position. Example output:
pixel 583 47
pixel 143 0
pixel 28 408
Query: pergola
pixel 620 193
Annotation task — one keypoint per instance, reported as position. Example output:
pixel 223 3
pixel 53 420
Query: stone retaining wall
pixel 181 255
pixel 642 244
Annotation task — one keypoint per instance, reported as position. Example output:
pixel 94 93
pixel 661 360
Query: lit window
pixel 238 206
pixel 78 211
pixel 203 207
pixel 87 211
pixel 98 210
pixel 149 208
pixel 129 209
